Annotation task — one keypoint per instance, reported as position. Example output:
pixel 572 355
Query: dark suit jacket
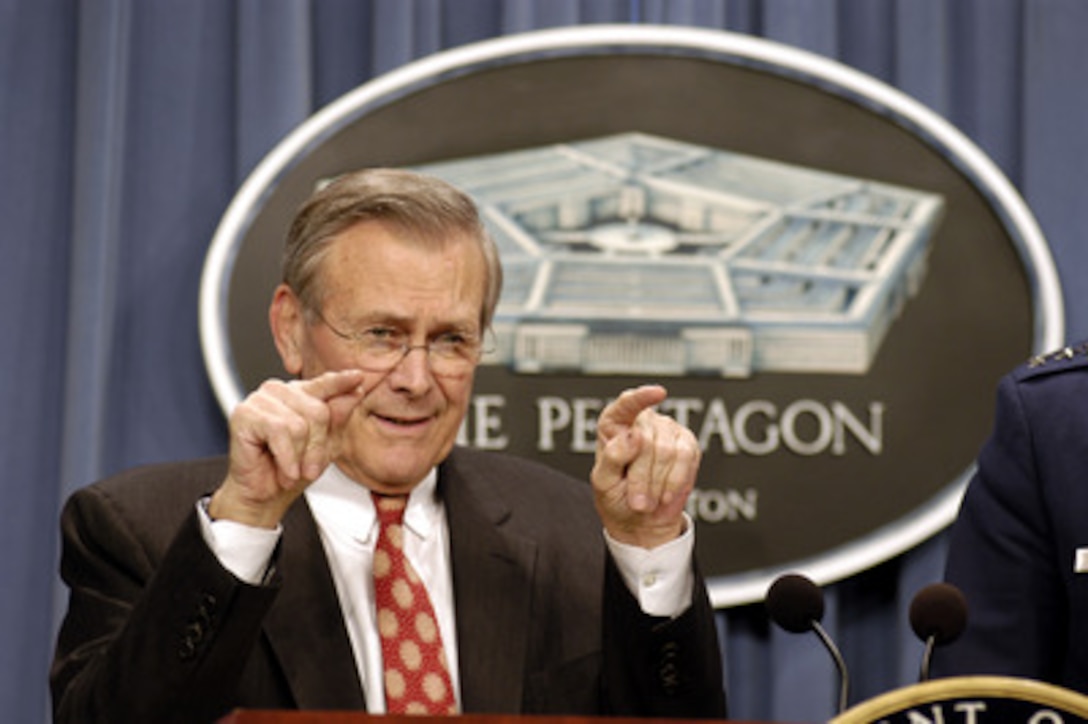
pixel 1024 516
pixel 157 630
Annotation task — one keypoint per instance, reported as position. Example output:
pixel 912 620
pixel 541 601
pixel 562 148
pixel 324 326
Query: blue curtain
pixel 127 125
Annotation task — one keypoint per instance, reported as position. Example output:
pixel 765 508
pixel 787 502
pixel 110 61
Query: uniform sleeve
pixel 1002 556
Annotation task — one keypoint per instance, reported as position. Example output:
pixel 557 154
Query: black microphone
pixel 938 615
pixel 797 605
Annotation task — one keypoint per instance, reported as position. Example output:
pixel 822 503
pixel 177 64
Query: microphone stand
pixel 844 679
pixel 931 642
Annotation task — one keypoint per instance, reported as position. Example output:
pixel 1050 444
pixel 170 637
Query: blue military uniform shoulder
pixel 1070 357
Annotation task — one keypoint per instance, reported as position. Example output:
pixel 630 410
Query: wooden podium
pixel 974 699
pixel 348 717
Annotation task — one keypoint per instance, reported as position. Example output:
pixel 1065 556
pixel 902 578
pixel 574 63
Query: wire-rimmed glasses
pixel 380 348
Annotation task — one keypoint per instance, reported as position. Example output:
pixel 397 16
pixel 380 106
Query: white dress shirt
pixel 661 579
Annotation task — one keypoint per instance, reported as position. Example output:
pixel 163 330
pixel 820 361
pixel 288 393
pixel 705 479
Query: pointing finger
pixel 625 409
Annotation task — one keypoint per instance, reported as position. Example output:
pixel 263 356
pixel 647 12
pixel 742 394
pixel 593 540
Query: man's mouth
pixel 401 421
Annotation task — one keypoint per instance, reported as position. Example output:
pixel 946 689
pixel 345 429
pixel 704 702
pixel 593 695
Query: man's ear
pixel 288 326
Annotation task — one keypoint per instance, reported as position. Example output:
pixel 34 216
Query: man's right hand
pixel 282 437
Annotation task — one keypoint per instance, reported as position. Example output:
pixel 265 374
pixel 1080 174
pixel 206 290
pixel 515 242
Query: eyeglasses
pixel 381 348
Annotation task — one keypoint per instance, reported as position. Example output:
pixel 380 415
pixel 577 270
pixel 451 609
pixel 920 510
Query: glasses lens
pixel 453 361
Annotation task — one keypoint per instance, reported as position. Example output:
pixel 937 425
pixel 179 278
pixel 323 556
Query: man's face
pixel 408 420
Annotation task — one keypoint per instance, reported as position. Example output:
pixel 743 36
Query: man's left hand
pixel 644 470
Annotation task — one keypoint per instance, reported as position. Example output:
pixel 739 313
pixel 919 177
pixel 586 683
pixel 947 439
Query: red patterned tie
pixel 417 677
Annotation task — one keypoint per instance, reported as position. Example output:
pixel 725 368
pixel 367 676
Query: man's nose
pixel 413 371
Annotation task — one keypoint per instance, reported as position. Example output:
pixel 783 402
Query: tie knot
pixel 390 508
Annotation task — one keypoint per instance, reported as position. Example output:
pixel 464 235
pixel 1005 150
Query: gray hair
pixel 431 210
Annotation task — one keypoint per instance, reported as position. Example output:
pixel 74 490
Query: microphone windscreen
pixel 938 610
pixel 794 602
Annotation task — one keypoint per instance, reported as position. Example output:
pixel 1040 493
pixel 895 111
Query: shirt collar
pixel 344 507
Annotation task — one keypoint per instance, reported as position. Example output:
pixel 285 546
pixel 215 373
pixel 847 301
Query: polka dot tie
pixel 417 677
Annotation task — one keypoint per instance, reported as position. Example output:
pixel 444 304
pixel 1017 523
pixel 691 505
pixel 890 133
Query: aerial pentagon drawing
pixel 636 254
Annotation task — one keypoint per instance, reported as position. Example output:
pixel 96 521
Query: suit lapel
pixel 305 626
pixel 492 584
pixel 492 581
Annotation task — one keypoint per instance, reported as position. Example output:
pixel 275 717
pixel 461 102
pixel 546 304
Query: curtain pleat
pixel 37 80
pixel 1054 145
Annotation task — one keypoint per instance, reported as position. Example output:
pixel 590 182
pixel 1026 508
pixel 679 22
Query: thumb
pixel 342 405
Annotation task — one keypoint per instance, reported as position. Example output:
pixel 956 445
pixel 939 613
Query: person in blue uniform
pixel 1019 547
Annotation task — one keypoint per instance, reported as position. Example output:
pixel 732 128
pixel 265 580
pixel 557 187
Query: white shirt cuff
pixel 243 550
pixel 662 578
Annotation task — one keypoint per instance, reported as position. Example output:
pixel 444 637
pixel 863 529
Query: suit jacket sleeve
pixel 153 618
pixel 1004 549
pixel 660 667
pixel 546 624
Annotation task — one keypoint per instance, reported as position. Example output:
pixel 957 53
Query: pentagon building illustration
pixel 636 254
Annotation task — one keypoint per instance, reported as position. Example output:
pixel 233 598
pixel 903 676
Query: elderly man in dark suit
pixel 200 587
pixel 1019 548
